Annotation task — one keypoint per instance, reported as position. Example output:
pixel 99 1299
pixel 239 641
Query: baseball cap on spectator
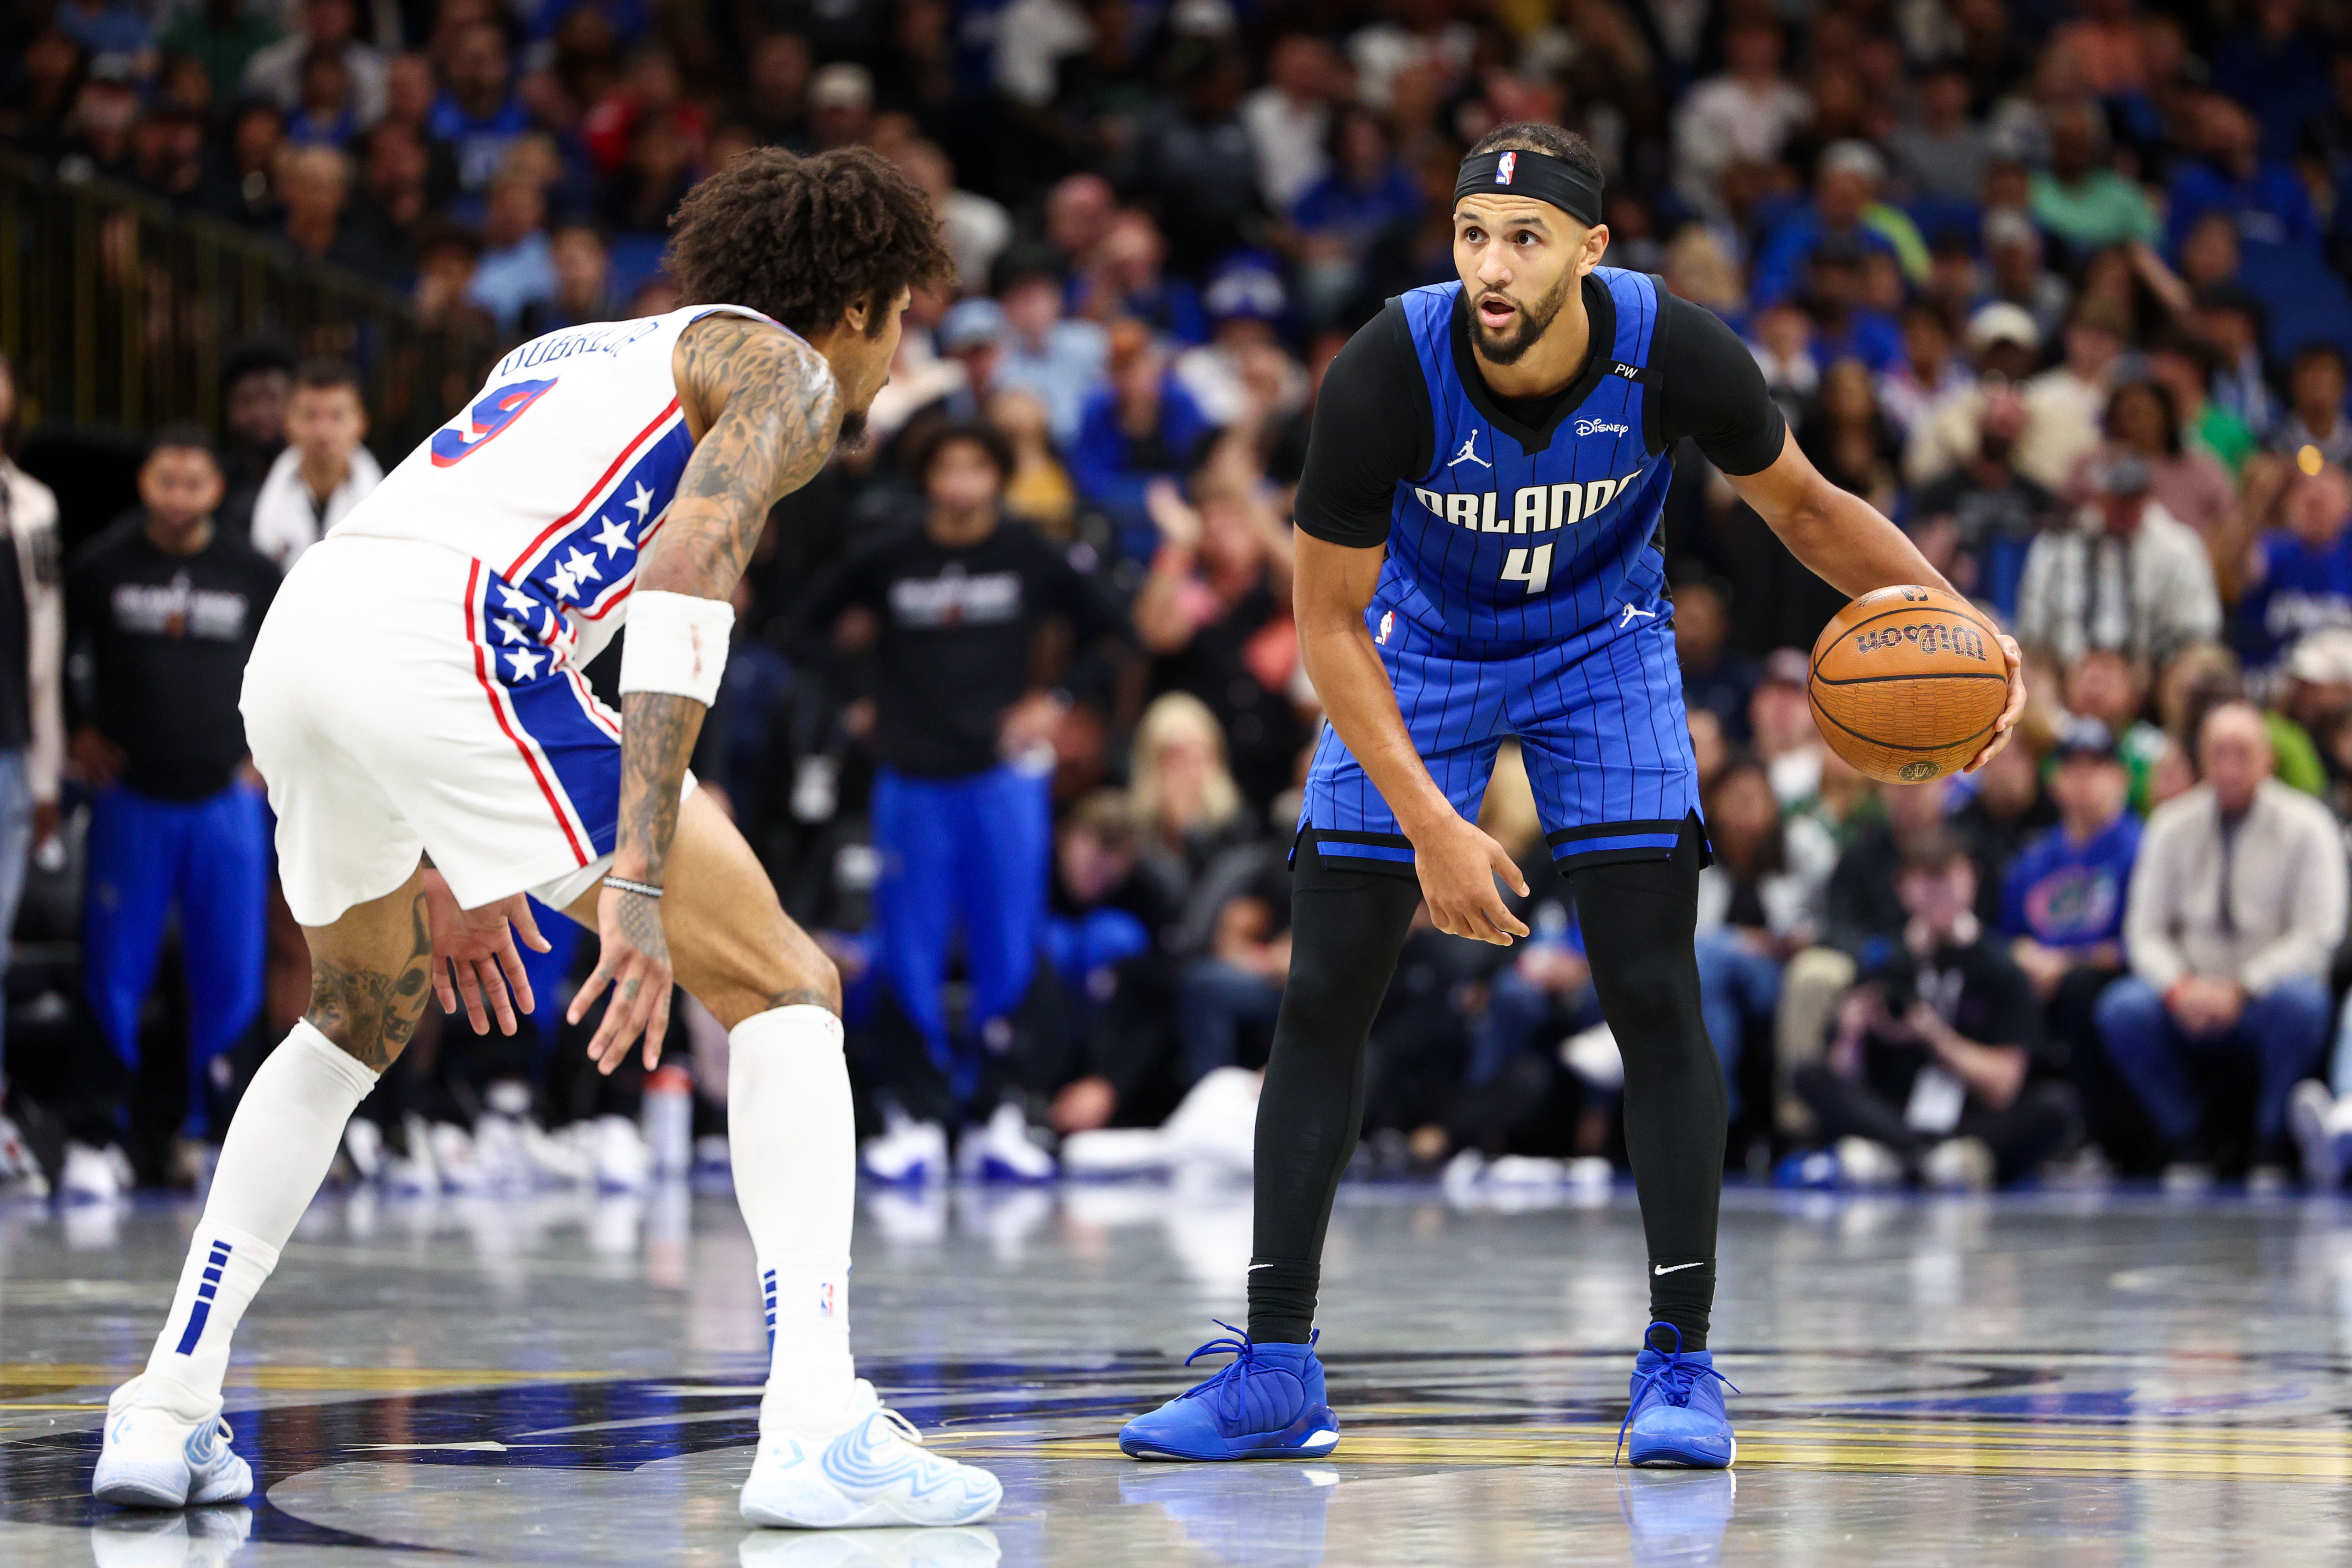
pixel 973 322
pixel 2002 322
pixel 1244 287
pixel 1786 666
pixel 1853 157
pixel 2085 738
pixel 2006 227
pixel 844 84
pixel 2324 657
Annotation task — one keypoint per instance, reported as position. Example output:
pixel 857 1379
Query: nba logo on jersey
pixel 825 1298
pixel 1388 624
pixel 1504 167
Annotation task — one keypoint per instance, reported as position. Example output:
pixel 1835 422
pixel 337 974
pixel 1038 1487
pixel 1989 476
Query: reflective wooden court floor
pixel 2065 1377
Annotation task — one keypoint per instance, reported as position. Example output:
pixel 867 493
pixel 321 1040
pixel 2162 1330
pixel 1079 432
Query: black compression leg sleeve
pixel 1346 929
pixel 1637 920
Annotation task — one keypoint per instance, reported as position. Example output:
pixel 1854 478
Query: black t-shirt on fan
pixel 163 640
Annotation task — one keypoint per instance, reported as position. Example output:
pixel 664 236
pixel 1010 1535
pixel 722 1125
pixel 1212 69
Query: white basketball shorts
pixel 403 698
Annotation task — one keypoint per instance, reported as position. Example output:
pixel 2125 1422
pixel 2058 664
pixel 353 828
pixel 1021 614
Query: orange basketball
pixel 1907 683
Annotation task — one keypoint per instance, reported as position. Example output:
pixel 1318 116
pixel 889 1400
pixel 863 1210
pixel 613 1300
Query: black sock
pixel 1282 1300
pixel 1681 1295
pixel 1638 920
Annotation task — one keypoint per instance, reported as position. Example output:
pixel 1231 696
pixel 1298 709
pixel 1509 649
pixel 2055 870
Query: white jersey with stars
pixel 553 478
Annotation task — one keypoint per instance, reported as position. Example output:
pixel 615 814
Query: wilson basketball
pixel 1907 683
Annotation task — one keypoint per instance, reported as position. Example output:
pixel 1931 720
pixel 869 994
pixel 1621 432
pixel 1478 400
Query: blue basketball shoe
pixel 1676 1417
pixel 1266 1403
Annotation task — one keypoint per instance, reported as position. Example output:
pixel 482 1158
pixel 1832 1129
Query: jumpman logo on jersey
pixel 1628 618
pixel 1469 453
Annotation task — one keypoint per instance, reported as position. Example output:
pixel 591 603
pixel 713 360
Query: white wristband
pixel 676 645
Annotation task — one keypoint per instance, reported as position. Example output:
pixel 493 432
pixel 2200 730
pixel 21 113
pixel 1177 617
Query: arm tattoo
pixel 777 414
pixel 370 1016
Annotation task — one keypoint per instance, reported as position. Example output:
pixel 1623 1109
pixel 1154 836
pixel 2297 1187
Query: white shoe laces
pixel 899 1424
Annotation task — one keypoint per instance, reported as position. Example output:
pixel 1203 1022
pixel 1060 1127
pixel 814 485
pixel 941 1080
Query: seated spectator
pixel 221 35
pixel 1977 523
pixel 660 169
pixel 1758 903
pixel 2079 198
pixel 277 72
pixel 2266 200
pixel 1040 490
pixel 1717 678
pixel 1929 371
pixel 323 112
pixel 2184 366
pixel 2063 904
pixel 98 133
pixel 1836 300
pixel 1847 436
pixel 1780 336
pixel 1744 116
pixel 517 270
pixel 2237 904
pixel 315 184
pixel 168 154
pixel 2317 418
pixel 2231 320
pixel 1142 425
pixel 2021 275
pixel 324 471
pixel 1127 276
pixel 775 103
pixel 1290 117
pixel 2193 485
pixel 1104 917
pixel 1058 358
pixel 2299 579
pixel 478 113
pixel 1367 190
pixel 976 228
pixel 1941 153
pixel 2110 686
pixel 162 607
pixel 1845 209
pixel 2065 400
pixel 2003 342
pixel 1242 376
pixel 1215 613
pixel 1780 723
pixel 652 89
pixel 1188 810
pixel 1938 1073
pixel 1228 994
pixel 584 283
pixel 2124 574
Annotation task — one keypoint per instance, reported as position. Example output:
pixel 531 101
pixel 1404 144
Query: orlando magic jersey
pixel 1526 536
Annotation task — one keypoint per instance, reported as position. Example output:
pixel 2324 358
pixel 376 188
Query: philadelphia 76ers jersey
pixel 555 477
pixel 1518 536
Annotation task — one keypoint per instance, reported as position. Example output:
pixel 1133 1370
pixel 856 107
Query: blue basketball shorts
pixel 1600 724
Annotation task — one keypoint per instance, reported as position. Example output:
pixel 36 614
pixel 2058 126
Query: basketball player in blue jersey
pixel 1478 556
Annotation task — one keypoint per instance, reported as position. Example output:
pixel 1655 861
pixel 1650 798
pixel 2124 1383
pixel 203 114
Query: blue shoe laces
pixel 1675 1378
pixel 1227 1385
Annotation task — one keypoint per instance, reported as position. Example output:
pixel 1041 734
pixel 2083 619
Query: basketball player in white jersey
pixel 416 704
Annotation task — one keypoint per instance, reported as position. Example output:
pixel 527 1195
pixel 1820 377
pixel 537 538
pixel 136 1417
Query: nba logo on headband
pixel 1503 167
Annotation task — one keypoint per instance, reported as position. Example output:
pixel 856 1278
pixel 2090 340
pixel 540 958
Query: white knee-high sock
pixel 278 1149
pixel 792 1138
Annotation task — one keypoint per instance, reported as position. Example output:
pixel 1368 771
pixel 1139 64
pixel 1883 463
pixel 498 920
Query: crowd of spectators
pixel 1017 719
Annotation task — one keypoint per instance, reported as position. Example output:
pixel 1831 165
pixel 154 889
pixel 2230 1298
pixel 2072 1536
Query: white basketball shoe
pixel 167 1448
pixel 871 1470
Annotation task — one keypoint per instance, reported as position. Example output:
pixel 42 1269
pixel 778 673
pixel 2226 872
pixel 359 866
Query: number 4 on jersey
pixel 1532 567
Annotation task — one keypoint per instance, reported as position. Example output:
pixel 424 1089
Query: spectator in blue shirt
pixel 1845 206
pixel 2267 199
pixel 478 113
pixel 2062 907
pixel 2300 578
pixel 1143 425
pixel 1058 358
pixel 1339 215
pixel 2279 67
pixel 1129 278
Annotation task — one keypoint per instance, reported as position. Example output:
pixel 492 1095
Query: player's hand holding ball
pixel 1458 862
pixel 1910 683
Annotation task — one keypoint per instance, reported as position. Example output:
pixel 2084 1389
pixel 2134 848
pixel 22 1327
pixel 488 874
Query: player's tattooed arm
pixel 766 411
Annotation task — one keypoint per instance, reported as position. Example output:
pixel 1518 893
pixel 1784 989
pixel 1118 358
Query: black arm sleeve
pixel 1372 427
pixel 1710 389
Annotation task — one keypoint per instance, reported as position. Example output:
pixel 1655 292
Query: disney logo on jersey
pixel 1535 509
pixel 1469 453
pixel 1599 427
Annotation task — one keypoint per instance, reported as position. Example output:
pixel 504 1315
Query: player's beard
pixel 1535 320
pixel 853 430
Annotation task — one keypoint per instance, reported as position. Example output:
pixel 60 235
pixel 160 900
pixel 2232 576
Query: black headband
pixel 1538 177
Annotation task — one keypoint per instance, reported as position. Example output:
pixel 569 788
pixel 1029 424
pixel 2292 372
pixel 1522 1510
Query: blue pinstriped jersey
pixel 1502 542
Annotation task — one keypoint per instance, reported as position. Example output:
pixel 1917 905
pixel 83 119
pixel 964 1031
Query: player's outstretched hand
pixel 1458 864
pixel 474 956
pixel 635 961
pixel 2002 726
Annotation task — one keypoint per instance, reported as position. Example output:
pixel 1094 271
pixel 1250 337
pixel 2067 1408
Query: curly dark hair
pixel 802 239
